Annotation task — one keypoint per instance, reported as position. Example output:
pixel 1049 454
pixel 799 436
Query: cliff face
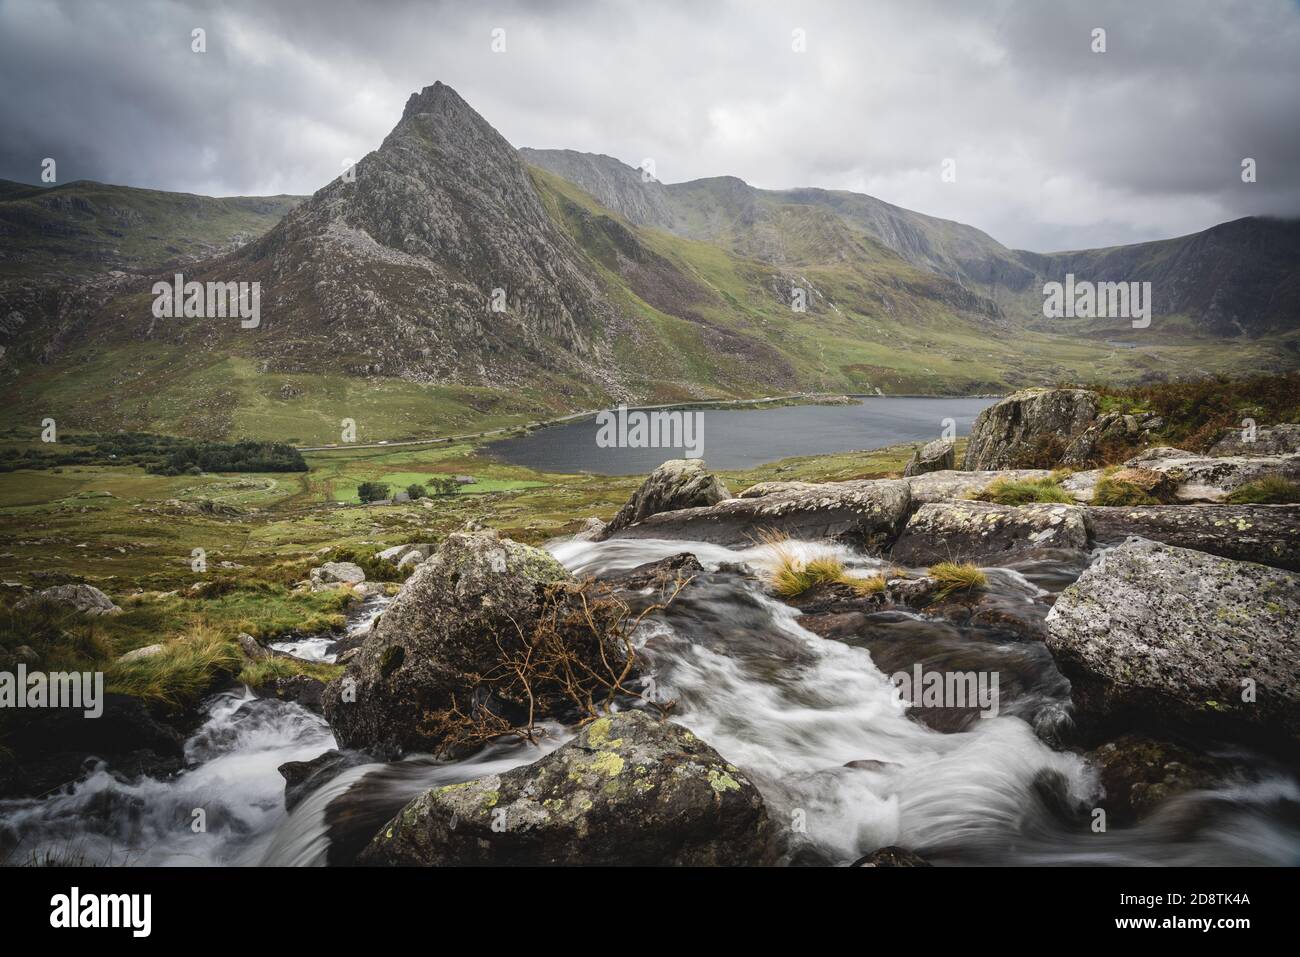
pixel 1236 279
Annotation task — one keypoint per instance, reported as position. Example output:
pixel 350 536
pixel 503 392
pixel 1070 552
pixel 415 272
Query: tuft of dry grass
pixel 1007 492
pixel 791 575
pixel 1117 492
pixel 866 586
pixel 182 672
pixel 1272 490
pixel 957 576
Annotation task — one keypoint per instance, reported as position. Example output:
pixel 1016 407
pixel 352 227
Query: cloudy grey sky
pixel 1056 146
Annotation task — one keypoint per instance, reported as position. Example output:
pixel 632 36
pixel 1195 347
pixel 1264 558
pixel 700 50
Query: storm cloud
pixel 1055 146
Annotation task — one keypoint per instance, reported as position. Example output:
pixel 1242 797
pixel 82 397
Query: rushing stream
pixel 815 722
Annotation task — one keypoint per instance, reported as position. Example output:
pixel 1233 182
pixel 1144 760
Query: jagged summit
pixel 434 259
pixel 434 97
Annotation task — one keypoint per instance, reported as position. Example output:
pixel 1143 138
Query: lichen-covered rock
pixel 251 648
pixel 436 638
pixel 937 456
pixel 593 530
pixel 1204 478
pixel 1154 634
pixel 760 489
pixel 677 484
pixel 1139 773
pixel 1029 429
pixel 864 513
pixel 1268 534
pixel 86 599
pixel 1274 440
pixel 948 485
pixel 338 573
pixel 1110 431
pixel 399 552
pixel 628 790
pixel 988 534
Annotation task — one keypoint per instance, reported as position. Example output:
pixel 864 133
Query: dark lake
pixel 739 439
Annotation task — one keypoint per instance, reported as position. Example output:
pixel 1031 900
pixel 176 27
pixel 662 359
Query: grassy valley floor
pixel 134 535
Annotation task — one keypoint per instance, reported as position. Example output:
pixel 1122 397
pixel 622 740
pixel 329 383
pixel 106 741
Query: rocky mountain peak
pixel 437 97
pixel 434 258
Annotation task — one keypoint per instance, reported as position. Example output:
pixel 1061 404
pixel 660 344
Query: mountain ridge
pixel 452 281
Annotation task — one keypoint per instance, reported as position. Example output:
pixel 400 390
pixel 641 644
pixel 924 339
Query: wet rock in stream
pixel 629 789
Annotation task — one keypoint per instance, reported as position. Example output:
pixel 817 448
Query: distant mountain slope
pixel 1238 278
pixel 84 227
pixel 728 210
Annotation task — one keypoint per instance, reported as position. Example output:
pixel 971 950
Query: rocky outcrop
pixel 86 599
pixel 837 611
pixel 592 530
pixel 864 513
pixel 139 654
pixel 333 574
pixel 1209 479
pixel 1111 432
pixel 436 640
pixel 440 238
pixel 760 489
pixel 988 534
pixel 303 690
pixel 949 485
pixel 1268 534
pixel 1156 635
pixel 1139 773
pixel 401 555
pixel 675 485
pixel 301 778
pixel 628 790
pixel 937 456
pixel 1029 429
pixel 1273 440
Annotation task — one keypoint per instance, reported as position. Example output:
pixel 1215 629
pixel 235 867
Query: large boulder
pixel 1156 635
pixel 86 599
pixel 677 484
pixel 436 640
pixel 628 790
pixel 936 456
pixel 1203 478
pixel 395 554
pixel 989 534
pixel 948 485
pixel 1268 534
pixel 863 513
pixel 332 574
pixel 1273 440
pixel 1029 429
pixel 1108 437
